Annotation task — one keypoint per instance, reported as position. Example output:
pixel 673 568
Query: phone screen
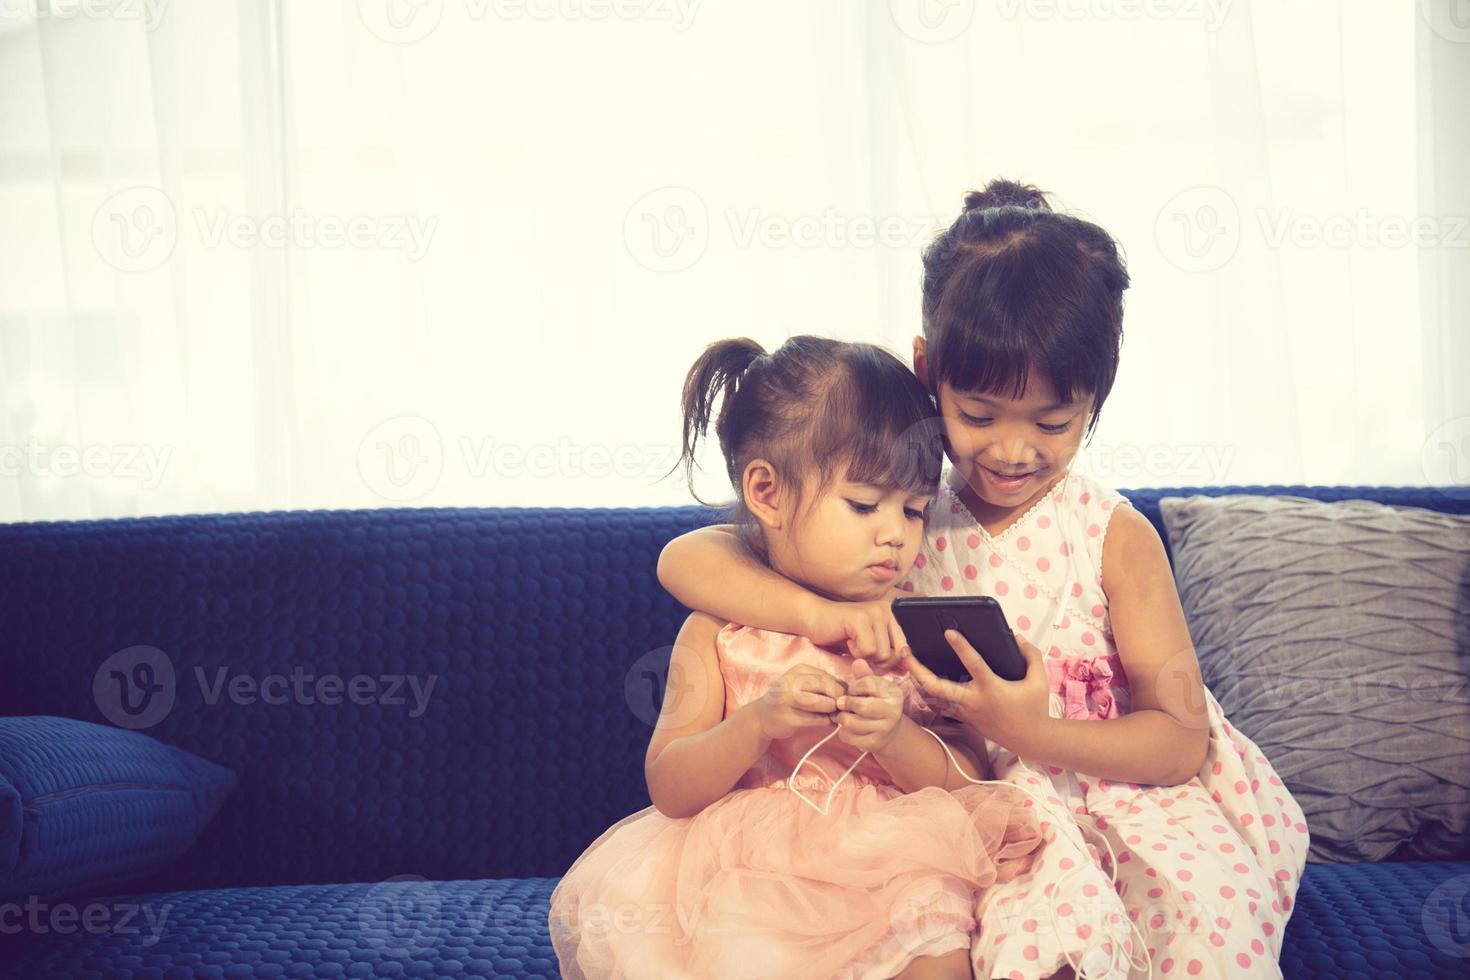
pixel 979 619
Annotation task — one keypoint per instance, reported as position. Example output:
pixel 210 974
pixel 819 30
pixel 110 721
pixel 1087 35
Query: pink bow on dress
pixel 1084 679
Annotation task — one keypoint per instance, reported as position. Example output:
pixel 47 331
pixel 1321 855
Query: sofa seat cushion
pixel 1352 922
pixel 396 928
pixel 1368 921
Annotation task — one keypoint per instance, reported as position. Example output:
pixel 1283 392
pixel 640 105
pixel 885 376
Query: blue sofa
pixel 379 840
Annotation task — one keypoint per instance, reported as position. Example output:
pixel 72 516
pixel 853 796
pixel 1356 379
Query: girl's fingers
pixel 816 701
pixel 810 680
pixel 974 663
pixel 863 707
pixel 882 649
pixel 947 693
pixel 855 726
pixel 896 639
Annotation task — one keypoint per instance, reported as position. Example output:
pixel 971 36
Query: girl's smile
pixel 1004 485
pixel 1009 451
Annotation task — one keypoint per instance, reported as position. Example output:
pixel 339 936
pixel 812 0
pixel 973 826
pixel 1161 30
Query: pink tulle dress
pixel 761 884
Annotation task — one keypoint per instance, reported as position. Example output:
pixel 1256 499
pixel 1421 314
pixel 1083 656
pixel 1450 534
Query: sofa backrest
pixel 499 669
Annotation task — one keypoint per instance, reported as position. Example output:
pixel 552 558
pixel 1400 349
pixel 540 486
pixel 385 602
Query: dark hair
pixel 1013 285
pixel 813 403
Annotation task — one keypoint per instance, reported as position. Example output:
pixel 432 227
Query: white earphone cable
pixel 1085 967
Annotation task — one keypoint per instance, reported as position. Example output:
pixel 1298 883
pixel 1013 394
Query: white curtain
pixel 259 255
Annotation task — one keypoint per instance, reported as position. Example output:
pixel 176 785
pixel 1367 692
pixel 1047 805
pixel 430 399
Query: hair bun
pixel 1007 193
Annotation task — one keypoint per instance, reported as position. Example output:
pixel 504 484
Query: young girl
pixel 777 845
pixel 1187 830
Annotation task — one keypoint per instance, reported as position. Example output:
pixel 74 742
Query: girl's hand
pixel 1009 713
pixel 803 697
pixel 869 713
pixel 868 628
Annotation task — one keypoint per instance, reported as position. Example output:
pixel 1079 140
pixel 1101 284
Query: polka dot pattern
pixel 1187 858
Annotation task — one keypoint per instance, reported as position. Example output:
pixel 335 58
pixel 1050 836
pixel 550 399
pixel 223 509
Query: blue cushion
pixel 84 806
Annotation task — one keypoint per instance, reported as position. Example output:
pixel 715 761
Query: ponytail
pixel 718 373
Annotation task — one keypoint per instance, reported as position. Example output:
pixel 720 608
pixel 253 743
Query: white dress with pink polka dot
pixel 1206 870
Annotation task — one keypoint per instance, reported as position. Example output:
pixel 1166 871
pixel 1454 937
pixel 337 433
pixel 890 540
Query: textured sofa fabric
pixel 408 928
pixel 539 637
pixel 1352 922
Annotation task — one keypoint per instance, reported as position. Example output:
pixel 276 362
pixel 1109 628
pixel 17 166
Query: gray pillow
pixel 1336 636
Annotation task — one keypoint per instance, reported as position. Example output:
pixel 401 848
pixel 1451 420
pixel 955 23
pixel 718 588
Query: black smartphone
pixel 978 619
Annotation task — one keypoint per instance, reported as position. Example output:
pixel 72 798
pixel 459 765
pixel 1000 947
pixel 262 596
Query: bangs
pixel 1001 318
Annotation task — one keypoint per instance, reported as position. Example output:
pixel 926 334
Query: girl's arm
pixel 916 761
pixel 697 755
pixel 1164 738
pixel 710 569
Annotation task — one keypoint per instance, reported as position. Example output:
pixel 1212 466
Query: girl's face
pixel 853 542
pixel 1010 451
